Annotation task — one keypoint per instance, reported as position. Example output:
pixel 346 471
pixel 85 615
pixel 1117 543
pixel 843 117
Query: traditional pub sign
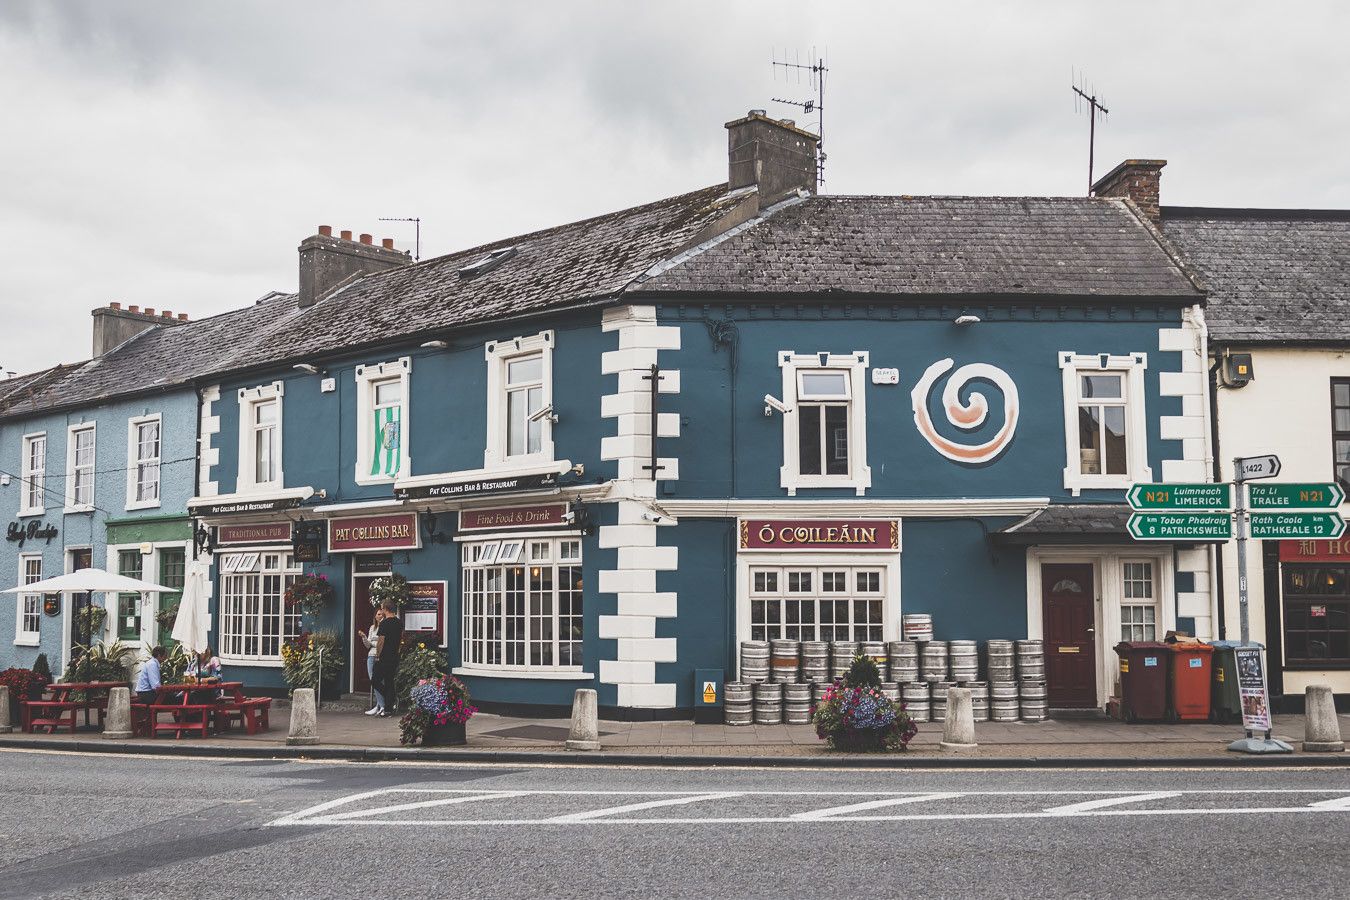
pixel 254 533
pixel 512 517
pixel 820 534
pixel 391 531
pixel 20 533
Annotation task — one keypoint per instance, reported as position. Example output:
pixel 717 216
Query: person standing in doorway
pixel 387 646
pixel 372 639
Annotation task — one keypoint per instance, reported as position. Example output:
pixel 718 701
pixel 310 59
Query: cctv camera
pixel 544 413
pixel 772 402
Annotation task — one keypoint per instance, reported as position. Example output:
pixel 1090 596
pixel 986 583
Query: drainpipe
pixel 1216 553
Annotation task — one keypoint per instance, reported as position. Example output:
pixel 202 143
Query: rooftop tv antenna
pixel 417 234
pixel 1086 94
pixel 814 74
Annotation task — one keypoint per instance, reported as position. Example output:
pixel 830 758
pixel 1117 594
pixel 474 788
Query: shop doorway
pixel 1068 599
pixel 362 615
pixel 82 558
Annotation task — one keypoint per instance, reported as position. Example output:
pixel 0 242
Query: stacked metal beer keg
pixel 904 661
pixel 963 660
pixel 1031 679
pixel 876 651
pixel 999 667
pixel 933 661
pixel 754 661
pixel 769 703
pixel 797 703
pixel 737 698
pixel 785 657
pixel 915 696
pixel 841 657
pixel 937 703
pixel 979 701
pixel 815 658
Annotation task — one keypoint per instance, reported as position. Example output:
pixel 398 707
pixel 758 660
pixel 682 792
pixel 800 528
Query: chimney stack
pixel 114 325
pixel 772 154
pixel 1138 179
pixel 328 263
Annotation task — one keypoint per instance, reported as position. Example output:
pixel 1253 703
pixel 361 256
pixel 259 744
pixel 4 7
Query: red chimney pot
pixel 133 308
pixel 366 239
pixel 167 314
pixel 387 243
pixel 326 230
pixel 149 311
pixel 114 305
pixel 182 317
pixel 346 235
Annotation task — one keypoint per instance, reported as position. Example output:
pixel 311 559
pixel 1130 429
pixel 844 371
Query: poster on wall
pixel 1252 689
pixel 422 612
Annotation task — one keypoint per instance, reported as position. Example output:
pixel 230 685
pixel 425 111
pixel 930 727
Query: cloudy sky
pixel 173 154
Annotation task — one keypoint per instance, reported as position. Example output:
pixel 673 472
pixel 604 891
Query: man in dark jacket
pixel 387 646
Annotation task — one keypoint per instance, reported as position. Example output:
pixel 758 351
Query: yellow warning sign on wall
pixel 709 692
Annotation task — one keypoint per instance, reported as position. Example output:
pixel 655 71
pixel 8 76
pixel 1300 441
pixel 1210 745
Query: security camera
pixel 569 517
pixel 771 403
pixel 545 413
pixel 651 517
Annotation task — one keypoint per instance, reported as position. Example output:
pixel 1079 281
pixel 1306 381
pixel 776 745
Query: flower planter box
pixel 451 734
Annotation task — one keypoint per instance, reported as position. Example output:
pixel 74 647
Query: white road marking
pixel 633 807
pixel 1089 805
pixel 1337 803
pixel 817 814
pixel 423 804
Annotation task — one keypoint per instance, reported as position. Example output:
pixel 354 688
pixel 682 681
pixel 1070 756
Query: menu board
pixel 426 604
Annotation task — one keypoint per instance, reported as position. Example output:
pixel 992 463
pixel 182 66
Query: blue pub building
pixel 606 453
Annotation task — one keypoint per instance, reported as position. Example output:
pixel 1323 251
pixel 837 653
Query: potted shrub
pixel 42 669
pixel 440 709
pixel 102 662
pixel 855 716
pixel 300 659
pixel 311 593
pixel 416 662
pixel 23 684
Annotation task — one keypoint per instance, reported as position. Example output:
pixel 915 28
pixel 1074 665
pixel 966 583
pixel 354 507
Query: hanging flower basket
pixel 311 593
pixel 390 588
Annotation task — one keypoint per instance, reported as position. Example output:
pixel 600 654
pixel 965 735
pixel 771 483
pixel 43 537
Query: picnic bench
pixel 62 711
pixel 202 709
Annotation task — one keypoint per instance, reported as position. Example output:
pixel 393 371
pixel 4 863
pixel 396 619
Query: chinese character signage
pixel 1331 551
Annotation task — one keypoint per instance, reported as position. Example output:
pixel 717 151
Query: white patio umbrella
pixel 189 628
pixel 87 581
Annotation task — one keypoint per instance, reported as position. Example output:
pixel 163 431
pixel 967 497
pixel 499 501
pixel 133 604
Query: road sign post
pixel 1317 495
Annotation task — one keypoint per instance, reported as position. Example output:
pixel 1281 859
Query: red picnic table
pixel 61 711
pixel 202 707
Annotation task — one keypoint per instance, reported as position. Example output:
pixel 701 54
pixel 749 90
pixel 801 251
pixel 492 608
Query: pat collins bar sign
pixel 820 534
pixel 393 531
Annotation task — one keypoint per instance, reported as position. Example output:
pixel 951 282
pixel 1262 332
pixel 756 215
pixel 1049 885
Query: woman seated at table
pixel 148 681
pixel 204 665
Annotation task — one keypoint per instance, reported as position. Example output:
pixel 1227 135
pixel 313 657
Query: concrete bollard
pixel 5 725
pixel 117 720
pixel 304 720
pixel 585 733
pixel 958 730
pixel 1321 728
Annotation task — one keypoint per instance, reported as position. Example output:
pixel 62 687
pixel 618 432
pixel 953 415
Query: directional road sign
pixel 1322 495
pixel 1195 526
pixel 1290 525
pixel 1265 466
pixel 1181 496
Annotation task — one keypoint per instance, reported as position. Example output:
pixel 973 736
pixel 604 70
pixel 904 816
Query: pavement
pixel 345 731
pixel 77 825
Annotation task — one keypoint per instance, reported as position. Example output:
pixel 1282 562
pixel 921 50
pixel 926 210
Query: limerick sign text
pixel 1181 496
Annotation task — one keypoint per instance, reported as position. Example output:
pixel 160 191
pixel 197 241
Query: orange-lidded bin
pixel 1192 672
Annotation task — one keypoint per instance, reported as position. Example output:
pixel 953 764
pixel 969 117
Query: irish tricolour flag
pixel 388 425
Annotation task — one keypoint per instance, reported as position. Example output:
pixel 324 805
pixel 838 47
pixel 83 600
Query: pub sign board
pixel 254 533
pixel 820 534
pixel 391 531
pixel 482 487
pixel 513 517
pixel 243 506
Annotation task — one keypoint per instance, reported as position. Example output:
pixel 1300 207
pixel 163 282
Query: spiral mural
pixel 966 415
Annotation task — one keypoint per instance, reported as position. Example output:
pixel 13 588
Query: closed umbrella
pixel 189 628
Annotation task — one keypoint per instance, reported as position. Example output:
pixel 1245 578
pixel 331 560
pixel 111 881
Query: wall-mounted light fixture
pixel 434 345
pixel 967 320
pixel 311 369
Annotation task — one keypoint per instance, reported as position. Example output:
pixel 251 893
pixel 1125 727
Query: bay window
pixel 254 620
pixel 522 604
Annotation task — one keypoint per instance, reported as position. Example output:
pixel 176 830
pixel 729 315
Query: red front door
pixel 362 615
pixel 1068 601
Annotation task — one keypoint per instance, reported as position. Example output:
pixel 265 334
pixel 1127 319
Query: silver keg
pixel 738 703
pixel 919 712
pixel 938 701
pixel 1032 690
pixel 841 656
pixel 876 650
pixel 1003 710
pixel 815 657
pixel 890 690
pixel 785 658
pixel 1003 690
pixel 964 660
pixel 797 704
pixel 754 661
pixel 818 689
pixel 933 661
pixel 768 703
pixel 904 661
pixel 1033 710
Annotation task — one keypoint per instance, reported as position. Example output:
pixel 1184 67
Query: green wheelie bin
pixel 1224 700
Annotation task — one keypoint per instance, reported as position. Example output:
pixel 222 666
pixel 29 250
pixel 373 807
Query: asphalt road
pixel 115 826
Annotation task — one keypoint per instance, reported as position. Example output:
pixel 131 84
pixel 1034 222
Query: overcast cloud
pixel 174 154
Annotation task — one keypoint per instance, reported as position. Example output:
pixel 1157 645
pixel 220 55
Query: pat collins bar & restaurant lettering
pixel 820 534
pixel 396 531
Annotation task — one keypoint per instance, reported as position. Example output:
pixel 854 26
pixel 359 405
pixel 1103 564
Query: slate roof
pixel 160 358
pixel 1273 275
pixel 566 266
pixel 869 245
pixel 1070 523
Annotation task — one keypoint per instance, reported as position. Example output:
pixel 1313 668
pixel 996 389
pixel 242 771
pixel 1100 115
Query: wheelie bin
pixel 1143 680
pixel 1224 701
pixel 1188 699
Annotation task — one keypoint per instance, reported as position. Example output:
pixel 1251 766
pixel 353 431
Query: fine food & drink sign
pixel 512 517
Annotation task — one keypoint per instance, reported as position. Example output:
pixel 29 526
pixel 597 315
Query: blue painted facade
pixel 163 525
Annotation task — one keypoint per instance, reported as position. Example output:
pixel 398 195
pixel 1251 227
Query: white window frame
pixel 366 378
pixel 33 481
pixel 71 432
pixel 1126 602
pixel 1132 367
pixel 134 462
pixel 855 364
pixel 22 636
pixel 498 354
pixel 246 481
pixel 229 613
pixel 474 559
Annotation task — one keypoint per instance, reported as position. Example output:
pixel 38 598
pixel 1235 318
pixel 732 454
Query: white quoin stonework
pixel 633 581
pixel 1192 386
pixel 208 454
